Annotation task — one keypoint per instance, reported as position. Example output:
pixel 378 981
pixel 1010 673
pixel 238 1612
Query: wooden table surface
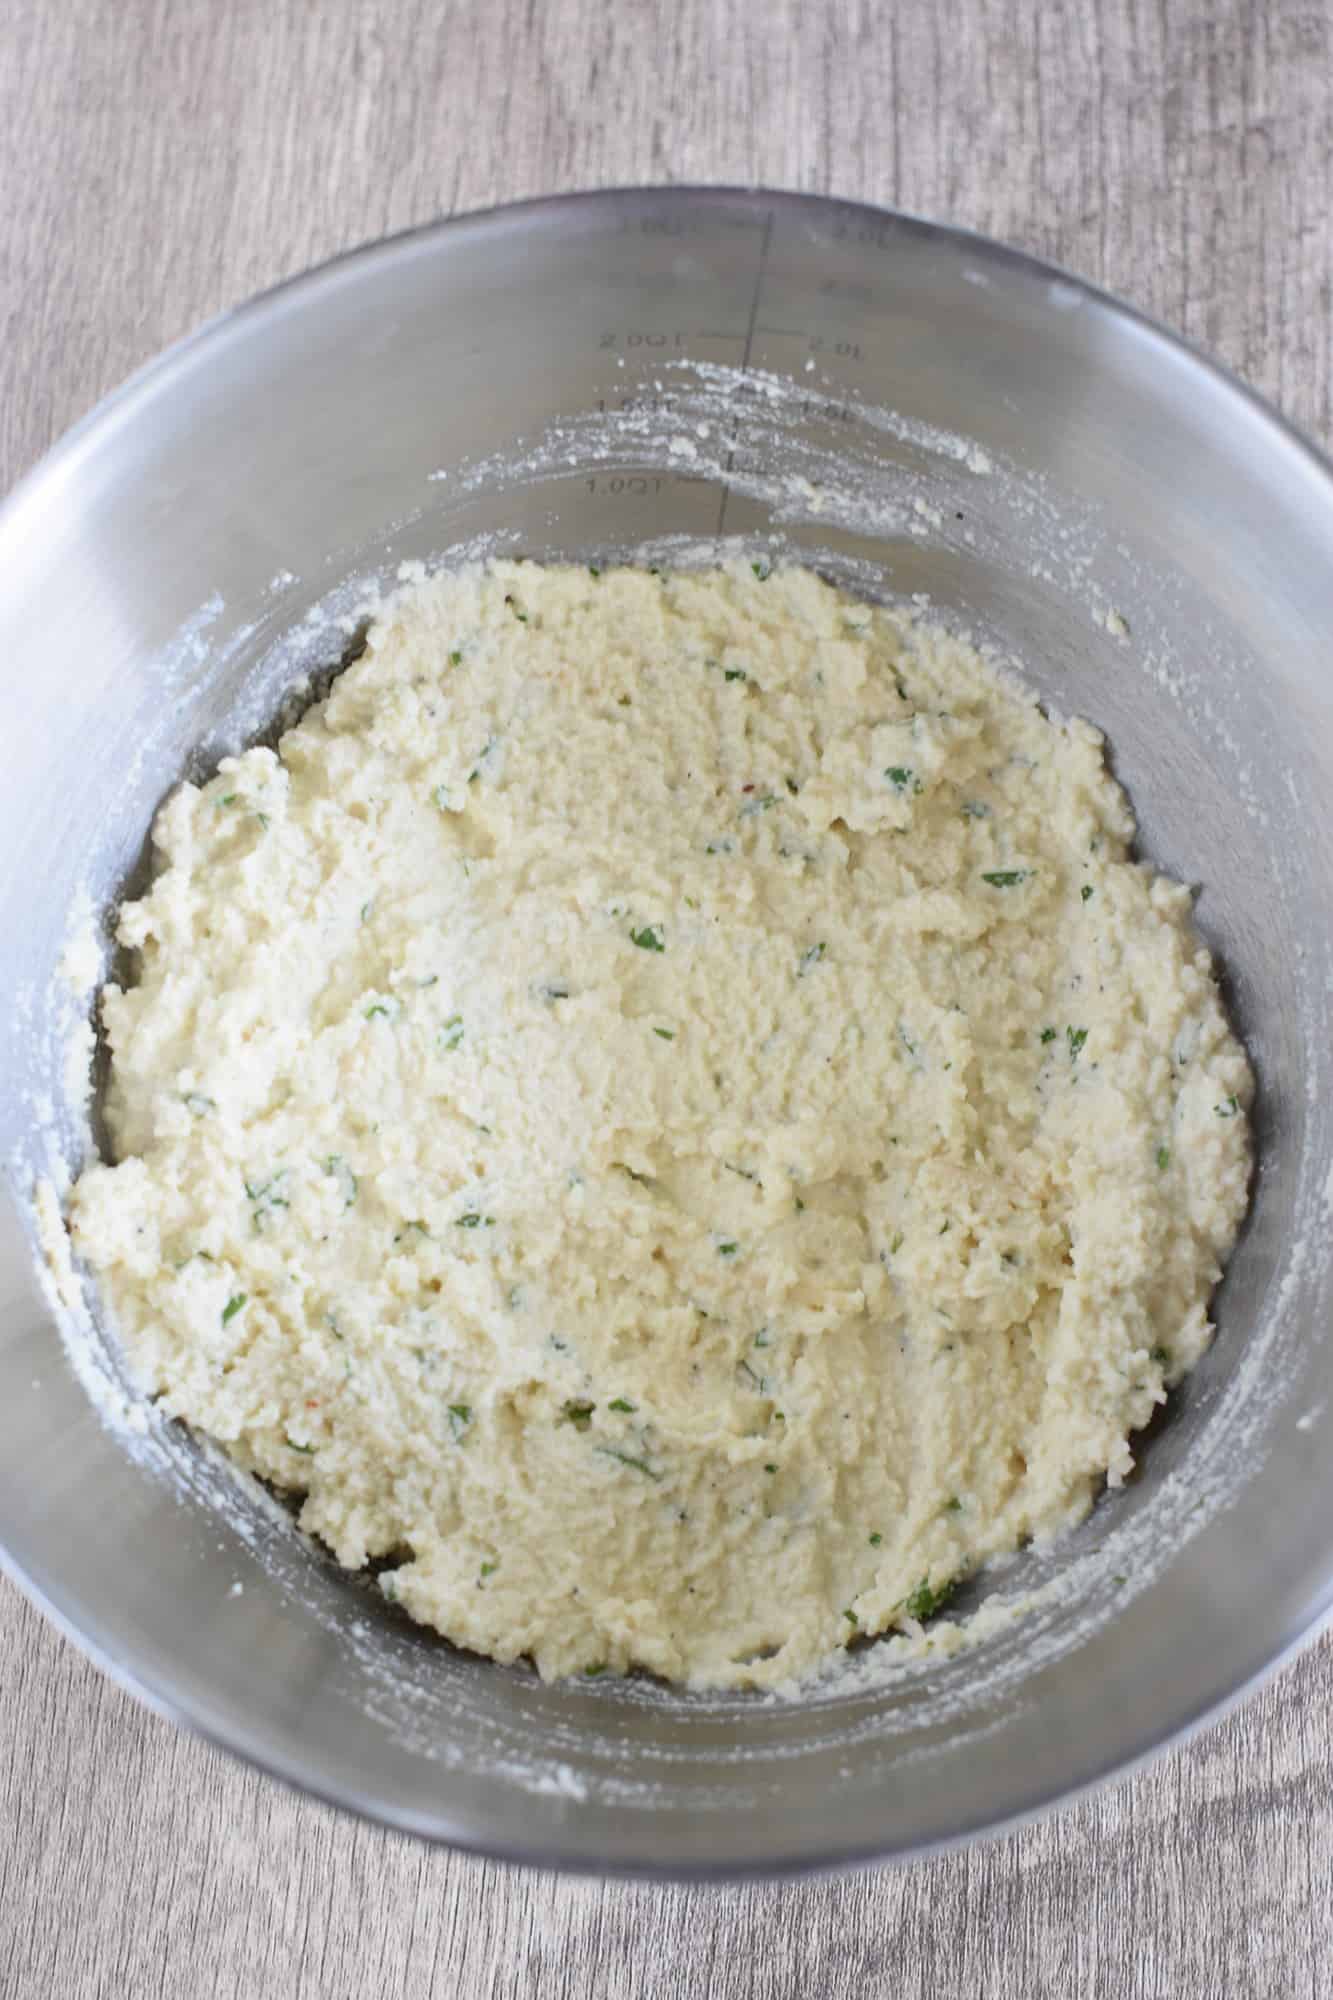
pixel 160 159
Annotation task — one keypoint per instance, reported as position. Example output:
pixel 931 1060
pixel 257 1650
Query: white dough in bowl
pixel 666 1109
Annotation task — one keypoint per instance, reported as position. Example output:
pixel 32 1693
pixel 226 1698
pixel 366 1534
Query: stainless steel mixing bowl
pixel 916 410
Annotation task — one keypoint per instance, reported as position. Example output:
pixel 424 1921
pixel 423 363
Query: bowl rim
pixel 440 1829
pixel 118 404
pixel 118 408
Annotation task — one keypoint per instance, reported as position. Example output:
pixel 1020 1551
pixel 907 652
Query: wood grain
pixel 160 159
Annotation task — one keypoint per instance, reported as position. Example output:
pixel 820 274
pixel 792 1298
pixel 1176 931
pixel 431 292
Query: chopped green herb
pixel 451 1034
pixel 1228 1108
pixel 336 1167
pixel 624 1404
pixel 665 1034
pixel 903 778
pixel 628 1458
pixel 292 1445
pixel 460 1416
pixel 925 1602
pixel 770 1468
pixel 233 1306
pixel 521 616
pixel 456 658
pixel 1048 1034
pixel 1162 1356
pixel 1163 1157
pixel 578 1414
pixel 198 1105
pixel 593 570
pixel 1076 1037
pixel 851 1616
pixel 474 1221
pixel 735 674
pixel 954 1506
pixel 754 806
pixel 591 1673
pixel 1005 878
pixel 762 569
pixel 650 938
pixel 266 1199
pixel 793 787
pixel 727 1249
pixel 813 955
pixel 554 989
pixel 487 1569
pixel 897 1243
pixel 975 809
pixel 1085 893
pixel 800 1205
pixel 876 1539
pixel 377 1008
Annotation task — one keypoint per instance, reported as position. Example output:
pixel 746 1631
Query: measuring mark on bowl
pixel 759 275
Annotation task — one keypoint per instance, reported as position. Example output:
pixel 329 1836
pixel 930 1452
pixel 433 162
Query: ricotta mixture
pixel 667 1112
